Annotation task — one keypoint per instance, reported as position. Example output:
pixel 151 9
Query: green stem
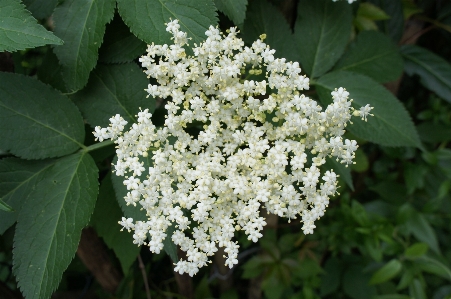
pixel 95 146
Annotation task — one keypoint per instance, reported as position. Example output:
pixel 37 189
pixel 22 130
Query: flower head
pixel 260 145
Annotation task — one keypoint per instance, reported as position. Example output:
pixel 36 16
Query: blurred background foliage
pixel 387 235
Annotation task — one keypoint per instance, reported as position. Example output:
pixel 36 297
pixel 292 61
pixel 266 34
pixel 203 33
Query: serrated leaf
pixel 36 121
pixel 19 30
pixel 234 9
pixel 264 18
pixel 434 71
pixel 49 225
pixel 416 250
pixel 391 124
pixel 81 24
pixel 41 8
pixel 17 178
pixel 119 44
pixel 147 19
pixel 5 207
pixel 387 272
pixel 111 90
pixel 105 219
pixel 372 54
pixel 322 31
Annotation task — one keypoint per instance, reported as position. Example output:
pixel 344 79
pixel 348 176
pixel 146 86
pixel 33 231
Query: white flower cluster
pixel 259 144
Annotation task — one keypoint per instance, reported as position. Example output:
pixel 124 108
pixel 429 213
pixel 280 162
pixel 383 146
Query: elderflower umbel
pixel 261 144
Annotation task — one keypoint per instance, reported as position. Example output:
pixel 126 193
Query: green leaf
pixel 119 44
pixel 433 266
pixel 359 214
pixel 394 26
pixel 81 24
pixel 147 19
pixel 434 71
pixel 414 175
pixel 41 8
pixel 392 296
pixel 434 132
pixel 372 246
pixel 387 272
pixel 391 124
pixel 416 290
pixel 17 178
pixel 361 161
pixel 169 247
pixel 252 268
pixel 372 54
pixel 422 230
pixel 5 207
pixel 406 279
pixel 19 30
pixel 416 250
pixel 320 40
pixel 264 18
pixel 49 225
pixel 371 11
pixel 36 121
pixel 50 71
pixel 111 90
pixel 331 280
pixel 355 283
pixel 105 219
pixel 234 9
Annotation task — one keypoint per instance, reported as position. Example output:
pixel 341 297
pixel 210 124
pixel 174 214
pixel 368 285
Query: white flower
pixel 252 149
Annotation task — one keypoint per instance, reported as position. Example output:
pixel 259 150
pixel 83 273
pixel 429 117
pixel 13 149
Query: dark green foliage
pixel 19 30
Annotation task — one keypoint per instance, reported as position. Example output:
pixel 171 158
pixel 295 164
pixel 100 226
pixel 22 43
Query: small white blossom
pixel 208 186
